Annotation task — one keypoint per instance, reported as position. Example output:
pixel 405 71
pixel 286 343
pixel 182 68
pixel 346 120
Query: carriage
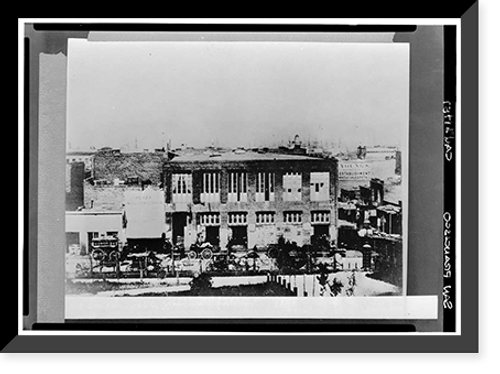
pixel 106 250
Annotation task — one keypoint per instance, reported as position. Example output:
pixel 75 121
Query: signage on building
pixel 354 171
pixel 145 213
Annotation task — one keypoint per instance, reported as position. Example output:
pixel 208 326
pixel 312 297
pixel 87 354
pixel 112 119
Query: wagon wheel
pixel 113 256
pixel 98 255
pixel 206 254
pixel 272 252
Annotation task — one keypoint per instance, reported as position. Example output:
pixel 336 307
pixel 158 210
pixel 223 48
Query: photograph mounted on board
pixel 249 169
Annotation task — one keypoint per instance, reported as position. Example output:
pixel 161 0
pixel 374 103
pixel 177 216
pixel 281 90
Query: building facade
pixel 380 153
pixel 87 157
pixel 250 199
pixel 83 226
pixel 75 175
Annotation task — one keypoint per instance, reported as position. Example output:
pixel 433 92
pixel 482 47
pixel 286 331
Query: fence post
pixel 117 269
pixel 91 267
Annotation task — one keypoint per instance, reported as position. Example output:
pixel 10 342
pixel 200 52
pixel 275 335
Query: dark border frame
pixel 222 346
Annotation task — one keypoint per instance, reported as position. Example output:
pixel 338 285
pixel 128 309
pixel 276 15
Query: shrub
pixel 201 283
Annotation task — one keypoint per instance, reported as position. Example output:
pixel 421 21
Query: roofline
pixel 80 153
pixel 94 212
pixel 221 159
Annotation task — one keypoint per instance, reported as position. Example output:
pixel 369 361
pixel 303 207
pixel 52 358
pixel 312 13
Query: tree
pixel 334 286
pixel 201 283
pixel 323 282
pixel 283 258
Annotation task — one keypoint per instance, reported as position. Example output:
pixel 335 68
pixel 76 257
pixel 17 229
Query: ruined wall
pixel 145 166
pixel 106 198
pixel 257 234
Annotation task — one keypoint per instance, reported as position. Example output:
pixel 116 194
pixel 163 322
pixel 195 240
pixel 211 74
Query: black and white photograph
pixel 208 185
pixel 273 170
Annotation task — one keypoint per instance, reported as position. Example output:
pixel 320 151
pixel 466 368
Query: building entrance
pixel 72 238
pixel 212 235
pixel 179 222
pixel 321 234
pixel 239 235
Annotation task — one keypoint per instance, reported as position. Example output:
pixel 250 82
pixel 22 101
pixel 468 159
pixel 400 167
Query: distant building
pixel 389 219
pixel 362 204
pixel 398 167
pixel 367 220
pixel 380 153
pixel 250 199
pixel 353 260
pixel 75 175
pixel 86 157
pixel 116 172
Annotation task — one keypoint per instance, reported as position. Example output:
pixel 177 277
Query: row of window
pixel 262 218
pixel 182 187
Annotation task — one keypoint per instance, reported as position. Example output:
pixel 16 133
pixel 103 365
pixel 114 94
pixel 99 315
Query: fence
pixel 302 285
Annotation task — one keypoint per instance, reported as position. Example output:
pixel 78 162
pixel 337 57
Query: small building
pixel 389 219
pixel 83 226
pixel 353 260
pixel 87 157
pixel 380 153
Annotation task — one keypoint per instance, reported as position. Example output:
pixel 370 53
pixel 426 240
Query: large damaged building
pixel 250 198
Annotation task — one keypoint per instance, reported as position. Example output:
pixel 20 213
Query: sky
pixel 230 94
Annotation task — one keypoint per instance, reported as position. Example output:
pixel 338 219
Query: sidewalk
pixel 161 286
